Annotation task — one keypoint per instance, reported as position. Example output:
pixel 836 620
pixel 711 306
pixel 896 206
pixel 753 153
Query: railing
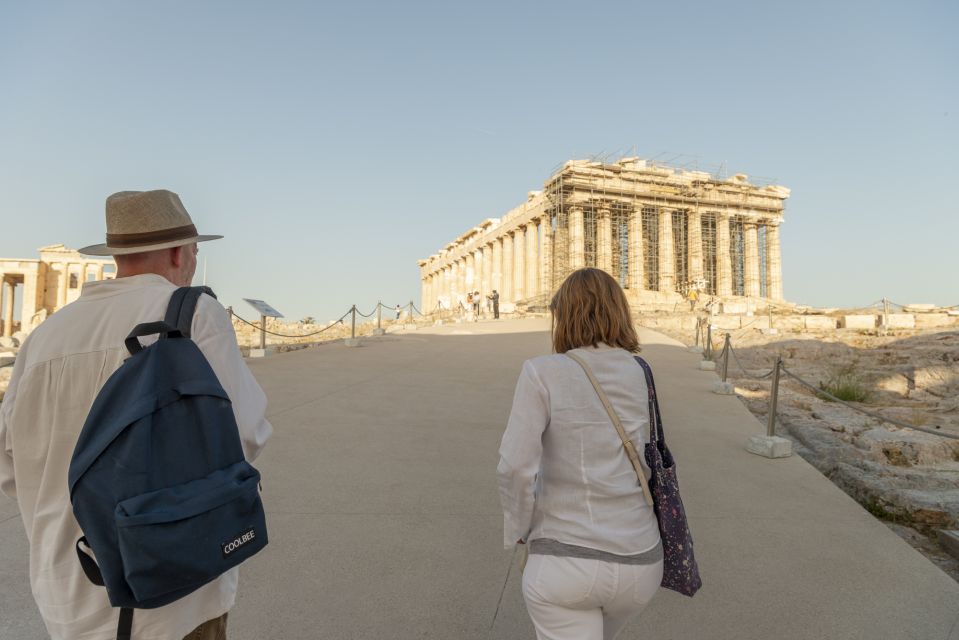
pixel 779 368
pixel 352 313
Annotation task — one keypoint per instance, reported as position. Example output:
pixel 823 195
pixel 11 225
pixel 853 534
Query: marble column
pixel 724 271
pixel 454 284
pixel 604 241
pixel 546 255
pixel 752 260
pixel 774 264
pixel 667 267
pixel 10 289
pixel 470 272
pixel 62 283
pixel 506 295
pixel 486 281
pixel 519 264
pixel 577 247
pixel 694 240
pixel 496 281
pixel 532 259
pixel 637 269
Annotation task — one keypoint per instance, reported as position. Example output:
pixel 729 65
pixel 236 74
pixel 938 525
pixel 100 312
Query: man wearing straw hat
pixel 58 373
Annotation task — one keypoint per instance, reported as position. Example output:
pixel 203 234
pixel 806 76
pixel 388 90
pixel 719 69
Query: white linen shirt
pixel 562 472
pixel 59 371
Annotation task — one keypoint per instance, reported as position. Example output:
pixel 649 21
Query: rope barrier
pixel 740 364
pixel 824 393
pixel 872 414
pixel 286 335
pixel 366 315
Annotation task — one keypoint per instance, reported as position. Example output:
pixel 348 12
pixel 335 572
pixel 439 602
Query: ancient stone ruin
pixel 47 284
pixel 660 231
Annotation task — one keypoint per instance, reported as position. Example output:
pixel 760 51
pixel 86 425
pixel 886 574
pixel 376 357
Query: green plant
pixel 847 384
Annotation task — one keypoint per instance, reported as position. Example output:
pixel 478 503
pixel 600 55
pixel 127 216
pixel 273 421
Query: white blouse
pixel 563 473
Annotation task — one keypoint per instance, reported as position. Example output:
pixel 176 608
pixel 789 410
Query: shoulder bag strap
pixel 627 443
pixel 655 419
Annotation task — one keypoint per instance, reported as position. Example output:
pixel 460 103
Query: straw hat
pixel 139 221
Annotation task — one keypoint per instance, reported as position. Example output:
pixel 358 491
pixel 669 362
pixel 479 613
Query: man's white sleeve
pixel 7 479
pixel 213 333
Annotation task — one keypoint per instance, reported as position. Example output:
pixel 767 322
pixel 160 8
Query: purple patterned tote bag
pixel 680 572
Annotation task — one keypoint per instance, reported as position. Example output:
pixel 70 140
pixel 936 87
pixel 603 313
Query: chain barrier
pixel 728 349
pixel 286 335
pixel 871 414
pixel 339 321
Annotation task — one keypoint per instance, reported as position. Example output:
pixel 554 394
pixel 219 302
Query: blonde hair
pixel 590 307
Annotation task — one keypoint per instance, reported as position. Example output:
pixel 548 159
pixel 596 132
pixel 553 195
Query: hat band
pixel 146 238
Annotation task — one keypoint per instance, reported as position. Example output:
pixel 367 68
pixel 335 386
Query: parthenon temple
pixel 660 231
pixel 48 284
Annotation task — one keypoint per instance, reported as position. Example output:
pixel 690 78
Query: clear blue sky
pixel 334 144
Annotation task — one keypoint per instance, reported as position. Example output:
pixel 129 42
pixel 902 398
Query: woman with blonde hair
pixel 570 490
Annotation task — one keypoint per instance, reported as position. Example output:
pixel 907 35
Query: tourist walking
pixel 495 299
pixel 58 374
pixel 476 306
pixel 569 491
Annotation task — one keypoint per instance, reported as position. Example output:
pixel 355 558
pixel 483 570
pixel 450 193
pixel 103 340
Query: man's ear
pixel 176 256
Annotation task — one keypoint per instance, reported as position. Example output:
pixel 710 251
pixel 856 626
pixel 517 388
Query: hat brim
pixel 106 250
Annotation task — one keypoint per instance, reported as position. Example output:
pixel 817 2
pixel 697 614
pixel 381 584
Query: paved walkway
pixel 385 522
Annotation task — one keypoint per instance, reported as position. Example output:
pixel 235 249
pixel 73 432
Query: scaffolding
pixel 638 194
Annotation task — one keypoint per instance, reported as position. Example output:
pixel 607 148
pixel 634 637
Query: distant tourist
pixel 399 310
pixel 494 298
pixel 476 305
pixel 60 370
pixel 692 296
pixel 569 490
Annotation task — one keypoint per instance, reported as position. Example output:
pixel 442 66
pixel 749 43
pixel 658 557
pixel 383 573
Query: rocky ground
pixel 907 478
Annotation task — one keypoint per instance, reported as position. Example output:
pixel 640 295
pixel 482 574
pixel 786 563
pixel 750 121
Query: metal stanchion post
pixel 726 347
pixel 885 315
pixel 262 331
pixel 709 341
pixel 770 445
pixel 379 316
pixel 353 322
pixel 411 313
pixel 774 399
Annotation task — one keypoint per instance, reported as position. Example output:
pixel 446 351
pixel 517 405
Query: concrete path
pixel 385 522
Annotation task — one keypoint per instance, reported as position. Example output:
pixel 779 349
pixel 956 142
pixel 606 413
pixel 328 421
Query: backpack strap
pixel 90 568
pixel 179 312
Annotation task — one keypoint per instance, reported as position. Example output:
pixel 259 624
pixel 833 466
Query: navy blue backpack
pixel 158 480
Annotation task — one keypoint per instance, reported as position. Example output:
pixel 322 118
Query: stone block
pixel 19 337
pixel 735 307
pixel 724 388
pixel 695 349
pixel 261 353
pixel 859 321
pixel 901 321
pixel 949 541
pixel 821 323
pixel 769 446
pixel 790 323
pixel 351 342
pixel 378 332
pixel 707 365
pixel 926 320
pixel 7 357
pixel 8 343
pixel 726 322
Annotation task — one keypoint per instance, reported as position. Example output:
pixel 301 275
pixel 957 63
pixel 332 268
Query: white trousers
pixel 578 599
